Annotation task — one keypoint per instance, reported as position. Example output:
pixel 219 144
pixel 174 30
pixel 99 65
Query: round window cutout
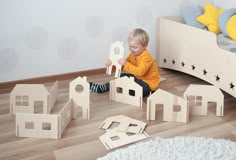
pixel 117 50
pixel 79 88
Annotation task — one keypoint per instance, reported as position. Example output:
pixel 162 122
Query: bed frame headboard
pixel 225 3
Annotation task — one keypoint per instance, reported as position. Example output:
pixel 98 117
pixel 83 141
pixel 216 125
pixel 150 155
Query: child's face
pixel 135 47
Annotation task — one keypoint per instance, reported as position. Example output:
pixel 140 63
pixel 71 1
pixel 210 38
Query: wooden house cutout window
pixel 195 100
pixel 29 125
pixel 46 126
pixel 119 90
pixel 22 100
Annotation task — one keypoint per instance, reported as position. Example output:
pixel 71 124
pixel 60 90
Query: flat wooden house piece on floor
pixel 169 102
pixel 125 124
pixel 199 96
pixel 116 53
pixel 32 98
pixel 113 139
pixel 80 94
pixel 121 90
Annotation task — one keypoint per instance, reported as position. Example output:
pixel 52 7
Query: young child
pixel 139 64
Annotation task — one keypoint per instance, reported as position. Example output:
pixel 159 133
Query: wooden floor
pixel 80 140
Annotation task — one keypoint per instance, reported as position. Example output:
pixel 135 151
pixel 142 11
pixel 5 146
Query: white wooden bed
pixel 195 51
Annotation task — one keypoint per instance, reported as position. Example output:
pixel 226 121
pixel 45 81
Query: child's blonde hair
pixel 140 36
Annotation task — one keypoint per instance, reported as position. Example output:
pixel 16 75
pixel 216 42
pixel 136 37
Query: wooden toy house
pixel 32 98
pixel 126 90
pixel 174 108
pixel 199 96
pixel 116 53
pixel 80 94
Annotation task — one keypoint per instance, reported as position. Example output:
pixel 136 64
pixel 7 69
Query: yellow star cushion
pixel 210 18
pixel 231 27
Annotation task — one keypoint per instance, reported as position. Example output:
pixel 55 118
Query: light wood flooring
pixel 80 140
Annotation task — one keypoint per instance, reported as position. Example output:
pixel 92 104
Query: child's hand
pixel 108 63
pixel 122 61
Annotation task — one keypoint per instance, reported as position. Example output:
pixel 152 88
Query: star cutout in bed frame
pixel 232 85
pixel 217 78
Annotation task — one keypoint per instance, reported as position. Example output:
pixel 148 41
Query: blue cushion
pixel 190 14
pixel 223 19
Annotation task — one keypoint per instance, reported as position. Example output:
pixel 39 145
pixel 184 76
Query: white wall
pixel 48 37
